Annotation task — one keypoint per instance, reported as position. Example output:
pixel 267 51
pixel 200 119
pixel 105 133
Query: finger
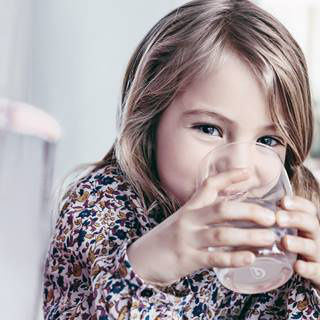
pixel 297 203
pixel 221 259
pixel 300 220
pixel 308 270
pixel 226 211
pixel 231 237
pixel 209 189
pixel 305 247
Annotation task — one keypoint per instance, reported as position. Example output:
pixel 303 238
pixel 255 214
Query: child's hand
pixel 179 245
pixel 301 214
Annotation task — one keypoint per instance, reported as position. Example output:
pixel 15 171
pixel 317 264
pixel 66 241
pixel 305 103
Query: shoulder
pixel 102 205
pixel 105 189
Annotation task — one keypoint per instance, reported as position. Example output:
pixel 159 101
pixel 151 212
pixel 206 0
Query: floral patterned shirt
pixel 88 274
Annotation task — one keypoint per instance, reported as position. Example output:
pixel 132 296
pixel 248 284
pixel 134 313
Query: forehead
pixel 230 89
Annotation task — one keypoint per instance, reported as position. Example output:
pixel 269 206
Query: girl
pixel 132 238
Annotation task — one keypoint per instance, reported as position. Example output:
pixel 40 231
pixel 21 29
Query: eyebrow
pixel 215 115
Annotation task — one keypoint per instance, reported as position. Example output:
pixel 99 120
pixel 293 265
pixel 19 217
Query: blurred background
pixel 68 57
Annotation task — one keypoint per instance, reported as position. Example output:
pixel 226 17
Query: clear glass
pixel 267 184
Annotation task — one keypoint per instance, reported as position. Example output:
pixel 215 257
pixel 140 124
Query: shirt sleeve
pixel 87 272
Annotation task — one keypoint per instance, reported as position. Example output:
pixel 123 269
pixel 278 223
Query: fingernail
pixel 269 236
pixel 288 202
pixel 243 172
pixel 270 218
pixel 288 241
pixel 283 218
pixel 302 267
pixel 248 259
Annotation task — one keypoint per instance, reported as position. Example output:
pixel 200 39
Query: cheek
pixel 178 161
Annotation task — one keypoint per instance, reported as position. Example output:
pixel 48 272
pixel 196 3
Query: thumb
pixel 212 185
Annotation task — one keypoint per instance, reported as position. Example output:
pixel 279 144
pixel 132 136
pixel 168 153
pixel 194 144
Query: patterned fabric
pixel 88 274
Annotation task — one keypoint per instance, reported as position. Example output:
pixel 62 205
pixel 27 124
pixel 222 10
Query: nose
pixel 235 156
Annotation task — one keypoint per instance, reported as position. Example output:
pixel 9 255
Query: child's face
pixel 227 106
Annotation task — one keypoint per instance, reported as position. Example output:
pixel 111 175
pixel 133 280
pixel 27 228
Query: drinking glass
pixel 268 182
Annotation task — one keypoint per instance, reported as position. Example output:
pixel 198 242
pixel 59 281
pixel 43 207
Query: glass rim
pixel 269 149
pixel 245 142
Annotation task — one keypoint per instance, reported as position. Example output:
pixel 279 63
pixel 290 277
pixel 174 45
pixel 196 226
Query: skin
pixel 232 92
pixel 187 131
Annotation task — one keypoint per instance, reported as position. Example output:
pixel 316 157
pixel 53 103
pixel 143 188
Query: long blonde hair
pixel 183 46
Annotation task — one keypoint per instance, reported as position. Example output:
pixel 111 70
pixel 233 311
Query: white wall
pixel 302 18
pixel 80 51
pixel 15 45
